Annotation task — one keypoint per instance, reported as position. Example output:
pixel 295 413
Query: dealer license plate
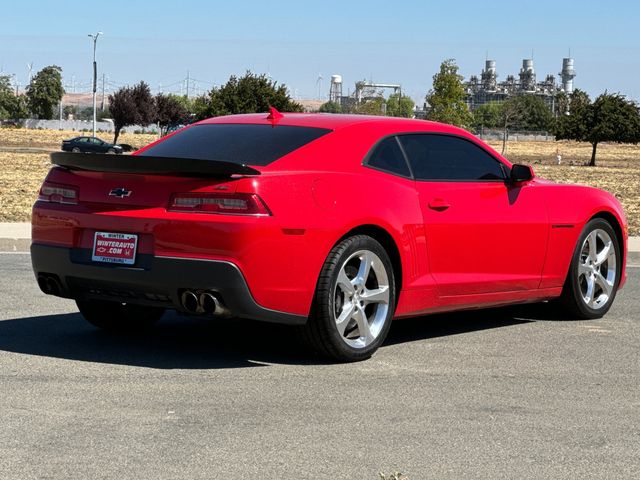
pixel 114 248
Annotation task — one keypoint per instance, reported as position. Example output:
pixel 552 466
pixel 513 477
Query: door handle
pixel 439 204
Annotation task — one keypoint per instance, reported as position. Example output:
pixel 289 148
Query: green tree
pixel 330 107
pixel 534 113
pixel 45 92
pixel 610 118
pixel 249 94
pixel 200 107
pixel 170 110
pixel 487 115
pixel 399 105
pixel 12 106
pixel 510 115
pixel 566 124
pixel 131 106
pixel 447 97
pixel 371 106
pixel 560 104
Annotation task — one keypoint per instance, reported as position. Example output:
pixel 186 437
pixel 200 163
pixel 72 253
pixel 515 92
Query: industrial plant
pixel 479 90
pixel 363 91
pixel 487 88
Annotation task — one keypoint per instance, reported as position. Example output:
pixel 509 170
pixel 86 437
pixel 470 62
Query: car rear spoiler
pixel 151 165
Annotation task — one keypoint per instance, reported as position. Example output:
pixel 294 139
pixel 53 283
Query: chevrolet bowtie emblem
pixel 120 192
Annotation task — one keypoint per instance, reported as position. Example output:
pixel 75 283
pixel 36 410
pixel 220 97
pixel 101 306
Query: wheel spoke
pixel 592 241
pixel 345 315
pixel 345 284
pixel 366 260
pixel 591 286
pixel 605 254
pixel 364 329
pixel 376 295
pixel 607 287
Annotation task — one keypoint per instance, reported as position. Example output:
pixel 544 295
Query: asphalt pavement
pixel 501 393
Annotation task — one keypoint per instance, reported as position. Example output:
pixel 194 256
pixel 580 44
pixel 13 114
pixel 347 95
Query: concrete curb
pixel 16 237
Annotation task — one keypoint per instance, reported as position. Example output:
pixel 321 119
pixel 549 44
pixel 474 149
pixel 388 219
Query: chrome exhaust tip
pixel 49 285
pixel 190 302
pixel 212 305
pixel 209 303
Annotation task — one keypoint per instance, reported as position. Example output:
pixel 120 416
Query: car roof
pixel 331 121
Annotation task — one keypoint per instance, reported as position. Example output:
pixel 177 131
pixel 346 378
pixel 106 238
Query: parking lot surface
pixel 501 393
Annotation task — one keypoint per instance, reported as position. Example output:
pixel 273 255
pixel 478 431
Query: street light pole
pixel 95 77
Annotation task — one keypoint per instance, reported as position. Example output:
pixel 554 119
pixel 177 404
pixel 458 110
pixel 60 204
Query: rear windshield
pixel 243 143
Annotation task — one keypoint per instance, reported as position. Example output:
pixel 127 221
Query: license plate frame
pixel 115 248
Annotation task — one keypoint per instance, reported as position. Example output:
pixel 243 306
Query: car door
pixel 95 145
pixel 484 235
pixel 81 143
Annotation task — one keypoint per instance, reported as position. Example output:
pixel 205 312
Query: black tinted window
pixel 442 157
pixel 388 156
pixel 242 143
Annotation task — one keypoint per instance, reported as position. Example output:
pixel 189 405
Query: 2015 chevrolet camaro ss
pixel 333 223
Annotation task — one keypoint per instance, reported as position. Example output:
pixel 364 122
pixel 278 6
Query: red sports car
pixel 333 223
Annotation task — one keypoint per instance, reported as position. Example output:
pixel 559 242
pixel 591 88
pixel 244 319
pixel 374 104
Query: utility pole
pixel 95 77
pixel 102 102
pixel 188 81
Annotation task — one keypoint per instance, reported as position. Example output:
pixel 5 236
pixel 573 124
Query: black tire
pixel 572 298
pixel 76 150
pixel 119 317
pixel 111 151
pixel 321 331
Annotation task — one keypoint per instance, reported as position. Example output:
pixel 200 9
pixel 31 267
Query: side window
pixel 445 157
pixel 387 156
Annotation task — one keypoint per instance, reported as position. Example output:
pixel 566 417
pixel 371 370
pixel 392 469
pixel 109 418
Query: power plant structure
pixel 335 91
pixel 487 88
pixel 363 91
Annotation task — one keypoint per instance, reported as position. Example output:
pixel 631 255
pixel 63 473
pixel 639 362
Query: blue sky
pixel 295 41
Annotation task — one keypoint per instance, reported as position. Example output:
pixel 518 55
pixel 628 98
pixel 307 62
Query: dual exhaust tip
pixel 203 303
pixel 50 284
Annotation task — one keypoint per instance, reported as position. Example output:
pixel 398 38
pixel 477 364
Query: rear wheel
pixel 354 301
pixel 111 151
pixel 119 317
pixel 594 273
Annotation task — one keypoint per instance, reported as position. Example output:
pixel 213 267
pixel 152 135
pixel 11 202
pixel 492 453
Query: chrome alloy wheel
pixel 597 269
pixel 361 299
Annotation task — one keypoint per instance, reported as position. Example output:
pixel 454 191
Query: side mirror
pixel 521 173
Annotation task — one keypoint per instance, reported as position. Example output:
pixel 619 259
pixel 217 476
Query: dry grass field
pixel 52 139
pixel 618 169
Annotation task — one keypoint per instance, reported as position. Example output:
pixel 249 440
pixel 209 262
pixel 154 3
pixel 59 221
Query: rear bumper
pixel 154 280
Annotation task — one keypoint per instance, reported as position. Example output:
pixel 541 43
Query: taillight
pixel 221 203
pixel 57 193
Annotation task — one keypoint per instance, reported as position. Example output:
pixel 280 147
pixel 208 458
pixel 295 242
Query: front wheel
pixel 594 273
pixel 119 317
pixel 354 301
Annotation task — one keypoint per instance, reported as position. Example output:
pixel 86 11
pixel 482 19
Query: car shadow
pixel 456 323
pixel 180 342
